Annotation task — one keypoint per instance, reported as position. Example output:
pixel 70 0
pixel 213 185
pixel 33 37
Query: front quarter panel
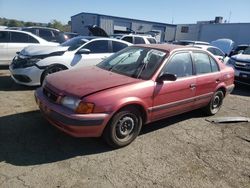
pixel 63 60
pixel 112 100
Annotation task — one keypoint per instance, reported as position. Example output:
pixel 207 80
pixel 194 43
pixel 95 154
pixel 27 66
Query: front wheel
pixel 215 104
pixel 123 128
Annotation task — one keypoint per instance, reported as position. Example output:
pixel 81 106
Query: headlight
pixel 77 105
pixel 31 62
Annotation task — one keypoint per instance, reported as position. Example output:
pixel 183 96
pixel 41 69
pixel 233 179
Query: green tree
pixel 56 24
pixel 14 23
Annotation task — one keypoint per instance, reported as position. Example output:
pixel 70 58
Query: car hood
pixel 97 31
pixel 80 82
pixel 241 57
pixel 42 50
pixel 226 45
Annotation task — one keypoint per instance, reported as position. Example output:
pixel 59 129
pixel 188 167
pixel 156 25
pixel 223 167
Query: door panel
pixel 173 97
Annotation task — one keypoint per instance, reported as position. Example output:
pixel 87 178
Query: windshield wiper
pixel 121 61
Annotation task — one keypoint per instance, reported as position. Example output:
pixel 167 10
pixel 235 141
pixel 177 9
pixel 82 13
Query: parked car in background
pixel 189 42
pixel 238 49
pixel 136 86
pixel 49 34
pixel 139 39
pixel 226 45
pixel 215 51
pixel 33 64
pixel 241 65
pixel 13 41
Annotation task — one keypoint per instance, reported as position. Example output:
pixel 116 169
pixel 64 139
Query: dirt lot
pixel 184 151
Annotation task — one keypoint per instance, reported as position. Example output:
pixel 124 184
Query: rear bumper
pixel 77 125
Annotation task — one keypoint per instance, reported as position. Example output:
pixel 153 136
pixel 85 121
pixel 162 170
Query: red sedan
pixel 135 86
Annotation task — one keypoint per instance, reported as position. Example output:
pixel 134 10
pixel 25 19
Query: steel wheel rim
pixel 125 127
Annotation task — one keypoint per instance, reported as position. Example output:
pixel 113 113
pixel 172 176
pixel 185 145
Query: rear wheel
pixel 52 69
pixel 215 104
pixel 123 128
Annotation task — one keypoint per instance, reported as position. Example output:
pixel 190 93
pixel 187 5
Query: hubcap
pixel 216 102
pixel 125 126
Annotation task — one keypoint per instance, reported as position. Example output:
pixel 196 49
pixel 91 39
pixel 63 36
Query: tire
pixel 52 69
pixel 215 104
pixel 123 128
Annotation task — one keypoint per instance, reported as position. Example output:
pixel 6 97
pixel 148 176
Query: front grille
pixel 243 66
pixel 52 96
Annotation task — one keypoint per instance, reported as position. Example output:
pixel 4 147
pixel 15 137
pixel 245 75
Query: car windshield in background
pixel 247 51
pixel 136 62
pixel 74 43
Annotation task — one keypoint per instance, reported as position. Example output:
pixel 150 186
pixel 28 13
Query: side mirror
pixel 83 51
pixel 165 77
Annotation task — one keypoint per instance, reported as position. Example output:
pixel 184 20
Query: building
pixel 212 30
pixel 114 25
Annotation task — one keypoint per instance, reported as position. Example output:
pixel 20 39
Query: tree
pixel 14 23
pixel 56 24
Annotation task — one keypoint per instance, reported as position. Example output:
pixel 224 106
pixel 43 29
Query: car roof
pixel 89 38
pixel 26 32
pixel 204 46
pixel 164 47
pixel 40 27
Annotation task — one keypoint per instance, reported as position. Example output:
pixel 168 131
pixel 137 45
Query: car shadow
pixel 242 90
pixel 28 139
pixel 7 84
pixel 170 121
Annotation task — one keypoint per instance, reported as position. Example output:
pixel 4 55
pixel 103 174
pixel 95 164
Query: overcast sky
pixel 174 11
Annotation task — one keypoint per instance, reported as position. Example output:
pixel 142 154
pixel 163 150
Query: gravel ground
pixel 183 151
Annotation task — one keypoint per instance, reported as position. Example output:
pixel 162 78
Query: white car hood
pixel 42 50
pixel 241 57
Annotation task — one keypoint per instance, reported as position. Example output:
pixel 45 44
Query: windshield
pixel 247 51
pixel 136 62
pixel 74 43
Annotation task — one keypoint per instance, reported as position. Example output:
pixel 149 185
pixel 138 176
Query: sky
pixel 165 11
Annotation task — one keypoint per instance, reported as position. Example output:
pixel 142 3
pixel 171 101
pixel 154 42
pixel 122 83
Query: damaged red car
pixel 136 86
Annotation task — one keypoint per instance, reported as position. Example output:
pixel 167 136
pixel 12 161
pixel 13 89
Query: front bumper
pixel 77 125
pixel 29 76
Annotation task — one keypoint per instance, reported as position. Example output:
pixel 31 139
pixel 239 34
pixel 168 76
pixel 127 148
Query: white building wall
pixel 238 32
pixel 191 34
pixel 170 33
pixel 107 25
pixel 80 22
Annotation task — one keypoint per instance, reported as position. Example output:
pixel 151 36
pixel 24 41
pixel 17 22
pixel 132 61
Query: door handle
pixel 192 86
pixel 217 80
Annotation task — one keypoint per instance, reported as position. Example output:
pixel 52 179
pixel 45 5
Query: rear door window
pixel 16 37
pixel 4 36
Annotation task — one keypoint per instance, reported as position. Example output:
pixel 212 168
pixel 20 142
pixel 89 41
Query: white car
pixel 215 51
pixel 12 41
pixel 241 65
pixel 139 39
pixel 33 64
